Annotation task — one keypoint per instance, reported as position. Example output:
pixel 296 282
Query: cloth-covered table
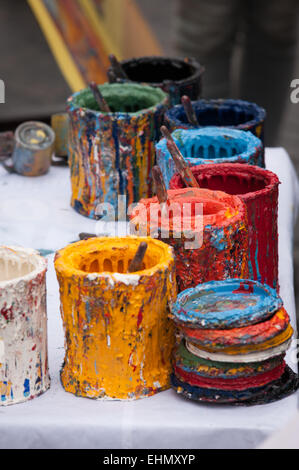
pixel 35 212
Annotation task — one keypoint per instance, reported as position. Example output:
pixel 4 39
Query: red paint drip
pixel 7 313
pixel 242 289
pixel 140 317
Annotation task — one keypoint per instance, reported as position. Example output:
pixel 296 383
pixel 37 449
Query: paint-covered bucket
pixel 210 145
pixel 207 229
pixel 112 154
pixel 258 189
pixel 34 145
pixel 234 335
pixel 119 339
pixel 23 325
pixel 175 76
pixel 236 114
pixel 60 125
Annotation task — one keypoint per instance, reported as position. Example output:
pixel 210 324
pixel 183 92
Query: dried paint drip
pixel 258 189
pixel 118 337
pixel 207 229
pixel 177 77
pixel 236 114
pixel 23 326
pixel 234 337
pixel 210 145
pixel 112 154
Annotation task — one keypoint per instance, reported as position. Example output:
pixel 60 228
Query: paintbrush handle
pixel 117 67
pixel 182 167
pixel 136 264
pixel 86 236
pixel 189 110
pixel 160 185
pixel 99 98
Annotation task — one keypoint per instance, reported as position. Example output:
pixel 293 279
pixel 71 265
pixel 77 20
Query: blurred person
pixel 266 32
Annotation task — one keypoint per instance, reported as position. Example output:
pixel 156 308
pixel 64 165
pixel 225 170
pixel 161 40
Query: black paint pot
pixel 177 77
pixel 236 114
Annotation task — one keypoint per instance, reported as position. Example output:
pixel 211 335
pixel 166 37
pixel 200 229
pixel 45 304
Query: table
pixel 35 212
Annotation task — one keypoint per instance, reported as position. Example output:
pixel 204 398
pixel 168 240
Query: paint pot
pixel 112 154
pixel 221 305
pixel 207 229
pixel 236 114
pixel 216 369
pixel 175 76
pixel 210 145
pixel 258 189
pixel 34 145
pixel 119 339
pixel 60 125
pixel 23 325
pixel 284 386
pixel 234 337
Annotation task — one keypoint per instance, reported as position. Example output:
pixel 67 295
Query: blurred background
pixel 250 50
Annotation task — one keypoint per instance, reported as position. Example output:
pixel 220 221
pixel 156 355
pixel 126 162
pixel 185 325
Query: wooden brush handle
pixel 136 264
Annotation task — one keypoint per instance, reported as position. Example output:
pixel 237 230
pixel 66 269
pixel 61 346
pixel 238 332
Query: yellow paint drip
pixel 119 339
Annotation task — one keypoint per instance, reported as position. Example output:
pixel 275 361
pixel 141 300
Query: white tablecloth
pixel 36 213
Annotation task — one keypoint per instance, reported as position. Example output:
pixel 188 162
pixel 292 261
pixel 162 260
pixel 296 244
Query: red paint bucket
pixel 222 251
pixel 258 188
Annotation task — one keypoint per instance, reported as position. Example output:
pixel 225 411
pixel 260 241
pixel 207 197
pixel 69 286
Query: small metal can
pixel 60 124
pixel 34 145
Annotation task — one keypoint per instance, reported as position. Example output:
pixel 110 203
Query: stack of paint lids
pixel 232 343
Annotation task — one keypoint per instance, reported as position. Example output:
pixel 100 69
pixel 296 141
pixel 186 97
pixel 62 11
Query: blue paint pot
pixel 236 114
pixel 233 303
pixel 210 145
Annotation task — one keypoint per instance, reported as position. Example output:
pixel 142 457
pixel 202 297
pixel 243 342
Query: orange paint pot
pixel 118 337
pixel 207 230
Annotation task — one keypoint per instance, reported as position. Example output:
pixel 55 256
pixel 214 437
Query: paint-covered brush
pixel 100 100
pixel 178 159
pixel 136 264
pixel 189 110
pixel 112 78
pixel 117 67
pixel 160 185
pixel 86 236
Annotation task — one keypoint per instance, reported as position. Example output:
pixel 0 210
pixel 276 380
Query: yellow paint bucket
pixel 118 337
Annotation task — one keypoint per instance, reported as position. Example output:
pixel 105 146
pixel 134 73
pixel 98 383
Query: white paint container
pixel 24 371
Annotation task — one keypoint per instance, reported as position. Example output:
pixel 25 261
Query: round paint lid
pixel 35 135
pixel 233 303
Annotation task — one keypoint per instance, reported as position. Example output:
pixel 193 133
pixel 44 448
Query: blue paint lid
pixel 232 303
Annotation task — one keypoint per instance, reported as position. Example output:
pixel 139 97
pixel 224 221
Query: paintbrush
pixel 100 100
pixel 117 67
pixel 189 110
pixel 179 161
pixel 136 264
pixel 86 236
pixel 160 185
